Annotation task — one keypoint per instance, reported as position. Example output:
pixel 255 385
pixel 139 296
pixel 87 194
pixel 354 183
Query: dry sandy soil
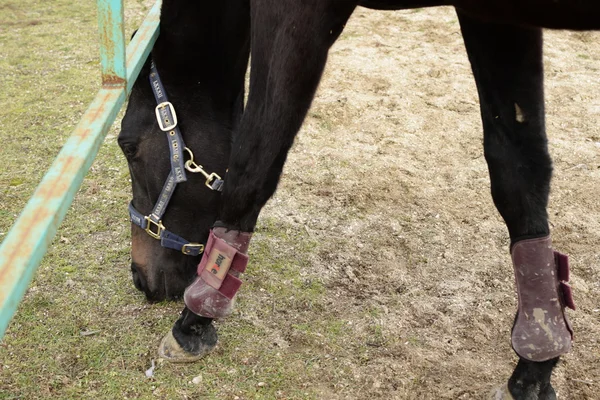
pixel 388 171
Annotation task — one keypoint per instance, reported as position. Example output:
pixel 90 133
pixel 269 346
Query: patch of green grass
pixel 16 182
pixel 323 121
pixel 280 273
pixel 82 330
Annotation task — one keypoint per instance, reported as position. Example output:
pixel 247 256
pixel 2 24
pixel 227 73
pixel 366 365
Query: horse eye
pixel 130 150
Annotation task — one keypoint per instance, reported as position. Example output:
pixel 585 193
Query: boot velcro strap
pixel 562 263
pixel 220 260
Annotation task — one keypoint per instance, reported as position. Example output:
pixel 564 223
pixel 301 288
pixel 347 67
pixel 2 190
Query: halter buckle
pixel 159 228
pixel 187 248
pixel 161 121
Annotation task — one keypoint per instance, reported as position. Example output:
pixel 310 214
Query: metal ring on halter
pixel 159 228
pixel 187 248
pixel 160 120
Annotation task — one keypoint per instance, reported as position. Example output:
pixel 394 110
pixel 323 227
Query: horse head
pixel 162 267
pixel 176 136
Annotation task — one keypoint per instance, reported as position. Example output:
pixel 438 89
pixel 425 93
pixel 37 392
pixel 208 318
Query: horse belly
pixel 401 4
pixel 554 14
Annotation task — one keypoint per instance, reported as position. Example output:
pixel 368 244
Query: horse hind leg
pixel 290 43
pixel 507 65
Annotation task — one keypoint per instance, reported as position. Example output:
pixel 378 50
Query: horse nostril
pixel 145 281
pixel 157 283
pixel 137 278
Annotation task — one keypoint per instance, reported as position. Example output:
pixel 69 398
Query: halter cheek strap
pixel 167 121
pixel 152 224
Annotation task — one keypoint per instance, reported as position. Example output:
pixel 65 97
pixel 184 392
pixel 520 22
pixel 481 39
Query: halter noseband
pixel 152 224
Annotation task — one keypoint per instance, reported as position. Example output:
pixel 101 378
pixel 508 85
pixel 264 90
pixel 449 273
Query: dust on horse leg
pixel 507 64
pixel 527 378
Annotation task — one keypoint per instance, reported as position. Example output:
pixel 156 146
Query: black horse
pixel 199 62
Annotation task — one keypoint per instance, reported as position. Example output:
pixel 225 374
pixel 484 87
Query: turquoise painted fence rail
pixel 26 243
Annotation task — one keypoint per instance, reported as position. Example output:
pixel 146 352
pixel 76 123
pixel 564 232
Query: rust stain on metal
pixel 108 47
pixel 53 188
pixel 112 80
pixel 140 40
pixel 106 43
pixel 30 220
pixel 90 117
pixel 48 191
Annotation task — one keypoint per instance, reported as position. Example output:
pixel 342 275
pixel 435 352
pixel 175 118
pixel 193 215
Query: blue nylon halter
pixel 152 224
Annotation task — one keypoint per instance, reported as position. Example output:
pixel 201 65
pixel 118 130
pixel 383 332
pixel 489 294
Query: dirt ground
pixel 388 170
pixel 379 270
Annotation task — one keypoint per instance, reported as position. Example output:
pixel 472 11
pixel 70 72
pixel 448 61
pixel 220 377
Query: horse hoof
pixel 501 393
pixel 171 351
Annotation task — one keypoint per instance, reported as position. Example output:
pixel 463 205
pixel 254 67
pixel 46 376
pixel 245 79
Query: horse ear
pixel 133 34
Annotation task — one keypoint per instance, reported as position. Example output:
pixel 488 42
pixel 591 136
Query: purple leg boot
pixel 225 258
pixel 541 330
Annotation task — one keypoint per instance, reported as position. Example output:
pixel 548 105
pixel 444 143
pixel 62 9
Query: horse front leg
pixel 507 64
pixel 290 42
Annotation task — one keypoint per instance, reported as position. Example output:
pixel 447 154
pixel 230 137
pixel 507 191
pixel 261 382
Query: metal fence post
pixel 112 42
pixel 26 243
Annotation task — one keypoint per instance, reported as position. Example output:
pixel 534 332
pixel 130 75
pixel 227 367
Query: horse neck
pixel 204 46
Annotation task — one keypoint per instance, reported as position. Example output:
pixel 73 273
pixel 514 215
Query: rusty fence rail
pixel 26 243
